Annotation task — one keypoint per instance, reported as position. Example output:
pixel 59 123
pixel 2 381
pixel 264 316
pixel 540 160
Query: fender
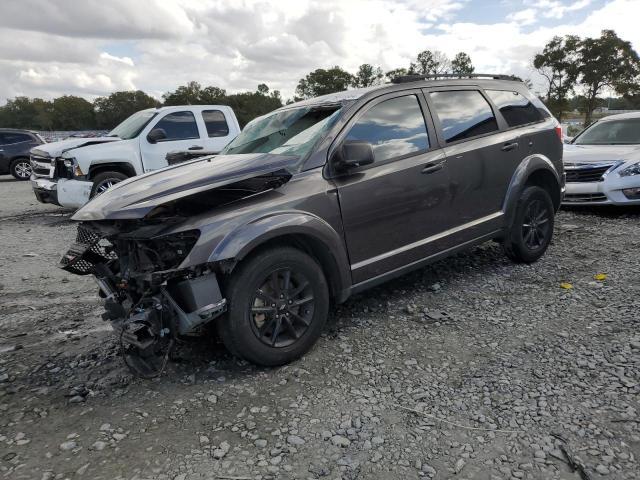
pixel 322 240
pixel 520 178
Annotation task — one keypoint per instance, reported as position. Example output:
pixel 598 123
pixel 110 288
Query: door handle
pixel 196 147
pixel 434 166
pixel 507 147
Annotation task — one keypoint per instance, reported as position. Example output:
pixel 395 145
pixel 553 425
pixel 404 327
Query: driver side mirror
pixel 353 154
pixel 568 140
pixel 156 135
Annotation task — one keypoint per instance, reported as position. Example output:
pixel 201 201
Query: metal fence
pixel 55 136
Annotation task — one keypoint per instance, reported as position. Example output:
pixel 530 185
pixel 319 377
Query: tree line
pixel 578 72
pixel 70 112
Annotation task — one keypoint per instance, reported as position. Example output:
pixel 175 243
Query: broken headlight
pixel 630 170
pixel 163 253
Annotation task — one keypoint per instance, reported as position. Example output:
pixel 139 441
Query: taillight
pixel 559 132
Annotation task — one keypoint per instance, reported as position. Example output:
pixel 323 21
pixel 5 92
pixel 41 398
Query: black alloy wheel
pixel 277 305
pixel 530 233
pixel 535 229
pixel 282 308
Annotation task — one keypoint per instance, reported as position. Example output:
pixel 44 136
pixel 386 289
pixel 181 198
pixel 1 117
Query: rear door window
pixel 216 123
pixel 515 108
pixel 463 114
pixel 394 128
pixel 179 126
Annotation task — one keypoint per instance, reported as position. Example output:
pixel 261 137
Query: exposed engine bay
pixel 150 299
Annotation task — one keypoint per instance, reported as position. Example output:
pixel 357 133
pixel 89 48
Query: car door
pixel 217 133
pixel 181 133
pixel 391 209
pixel 4 162
pixel 481 155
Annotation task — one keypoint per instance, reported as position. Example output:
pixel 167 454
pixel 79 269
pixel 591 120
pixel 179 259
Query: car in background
pixel 602 163
pixel 14 151
pixel 72 171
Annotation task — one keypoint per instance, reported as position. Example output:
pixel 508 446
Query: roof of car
pixel 15 130
pixel 620 116
pixel 419 82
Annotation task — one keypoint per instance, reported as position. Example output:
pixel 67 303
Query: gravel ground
pixel 473 368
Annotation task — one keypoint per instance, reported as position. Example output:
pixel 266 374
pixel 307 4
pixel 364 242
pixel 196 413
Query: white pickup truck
pixel 70 172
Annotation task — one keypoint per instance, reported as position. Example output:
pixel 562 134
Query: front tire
pixel 532 229
pixel 20 168
pixel 103 181
pixel 278 302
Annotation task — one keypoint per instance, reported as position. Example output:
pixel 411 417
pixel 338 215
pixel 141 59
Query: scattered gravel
pixel 471 368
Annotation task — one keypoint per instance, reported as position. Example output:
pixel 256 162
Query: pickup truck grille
pixel 41 166
pixel 580 173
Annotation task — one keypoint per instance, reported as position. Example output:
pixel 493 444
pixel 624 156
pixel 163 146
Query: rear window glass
pixel 515 108
pixel 394 128
pixel 463 114
pixel 216 123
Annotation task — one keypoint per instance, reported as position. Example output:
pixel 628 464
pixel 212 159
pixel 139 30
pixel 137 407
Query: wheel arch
pixel 304 231
pixel 534 170
pixel 121 167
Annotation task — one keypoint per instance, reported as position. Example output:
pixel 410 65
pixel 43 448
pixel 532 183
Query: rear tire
pixel 20 168
pixel 278 302
pixel 103 181
pixel 532 229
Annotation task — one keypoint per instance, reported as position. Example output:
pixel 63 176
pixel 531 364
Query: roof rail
pixel 417 77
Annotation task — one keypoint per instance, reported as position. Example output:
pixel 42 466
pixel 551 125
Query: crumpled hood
pixel 55 149
pixel 134 198
pixel 600 153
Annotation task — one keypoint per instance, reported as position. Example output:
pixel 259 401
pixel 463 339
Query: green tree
pixel 430 63
pixel 250 105
pixel 23 112
pixel 112 110
pixel 73 113
pixel 558 63
pixel 395 73
pixel 461 65
pixel 367 75
pixel 607 62
pixel 193 94
pixel 322 82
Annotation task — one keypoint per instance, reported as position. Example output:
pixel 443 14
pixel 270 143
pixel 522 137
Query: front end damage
pixel 148 299
pixel 142 242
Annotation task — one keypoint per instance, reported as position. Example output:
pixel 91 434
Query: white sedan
pixel 602 163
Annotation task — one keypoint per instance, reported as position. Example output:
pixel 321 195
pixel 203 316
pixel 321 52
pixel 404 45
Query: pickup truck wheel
pixel 532 228
pixel 103 181
pixel 20 168
pixel 278 302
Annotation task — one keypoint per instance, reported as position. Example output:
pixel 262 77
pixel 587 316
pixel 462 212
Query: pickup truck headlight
pixel 72 167
pixel 631 170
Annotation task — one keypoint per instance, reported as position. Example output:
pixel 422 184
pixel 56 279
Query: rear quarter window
pixel 515 108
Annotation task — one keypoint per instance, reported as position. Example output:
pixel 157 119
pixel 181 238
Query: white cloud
pixel 94 47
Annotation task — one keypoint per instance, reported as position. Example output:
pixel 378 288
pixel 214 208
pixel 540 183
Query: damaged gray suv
pixel 317 201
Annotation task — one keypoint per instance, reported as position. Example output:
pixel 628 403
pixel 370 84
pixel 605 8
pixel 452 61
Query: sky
pixel 91 48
